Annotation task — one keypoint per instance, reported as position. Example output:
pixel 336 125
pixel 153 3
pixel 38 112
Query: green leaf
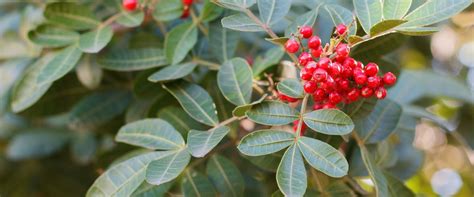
pixel 238 5
pixel 152 134
pixel 122 179
pixel 180 41
pixel 225 176
pixel 149 190
pixel 278 41
pixel 291 88
pixel 372 49
pixel 396 9
pixel 71 15
pixel 415 84
pixel 131 19
pixel 202 142
pixel 180 120
pixel 36 143
pixel 241 22
pixel 418 31
pixel 361 108
pixel 267 162
pixel 272 113
pixel 235 81
pixel 98 108
pixel 194 184
pixel 52 36
pixel 271 57
pixel 329 121
pixel 396 187
pixel 241 110
pixel 369 13
pixel 83 147
pixel 384 26
pixel 60 65
pixel 133 59
pixel 264 142
pixel 167 168
pixel 272 11
pixel 210 11
pixel 375 173
pixel 291 173
pixel 195 101
pixel 381 122
pixel 26 91
pixel 94 41
pixel 337 189
pixel 340 15
pixel 434 11
pixel 172 72
pixel 307 19
pixel 88 72
pixel 354 39
pixel 323 157
pixel 168 10
pixel 222 42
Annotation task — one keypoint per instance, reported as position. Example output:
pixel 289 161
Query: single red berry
pixel 341 29
pixel 305 74
pixel 335 69
pixel 360 78
pixel 343 50
pixel 284 97
pixel 320 75
pixel 316 53
pixel 187 2
pixel 389 78
pixel 319 95
pixel 359 65
pixel 130 5
pixel 186 12
pixel 329 85
pixel 306 31
pixel 335 98
pixel 373 82
pixel 353 95
pixel 314 42
pixel 346 71
pixel 311 66
pixel 371 69
pixel 380 92
pixel 324 63
pixel 304 58
pixel 317 106
pixel 350 62
pixel 339 58
pixel 310 87
pixel 292 46
pixel 344 84
pixel 366 92
pixel 329 106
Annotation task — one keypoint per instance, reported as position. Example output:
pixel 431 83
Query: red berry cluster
pixel 330 75
pixel 187 7
pixel 130 5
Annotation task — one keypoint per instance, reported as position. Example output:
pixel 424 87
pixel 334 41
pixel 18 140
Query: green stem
pixel 304 103
pixel 210 65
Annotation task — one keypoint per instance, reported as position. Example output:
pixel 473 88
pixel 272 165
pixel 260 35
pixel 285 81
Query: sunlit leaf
pixel 264 142
pixel 172 72
pixel 167 168
pixel 132 59
pixel 272 113
pixel 63 62
pixel 71 15
pixel 180 41
pixel 329 121
pixel 291 173
pixel 235 81
pixel 369 13
pixel 239 5
pixel 94 41
pixel 272 11
pixel 396 9
pixel 241 22
pixel 291 88
pixel 202 142
pixel 222 42
pixel 52 36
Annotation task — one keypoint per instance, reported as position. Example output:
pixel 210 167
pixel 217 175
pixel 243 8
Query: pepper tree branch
pixel 304 103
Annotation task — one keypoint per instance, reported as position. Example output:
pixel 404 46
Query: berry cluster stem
pixel 197 21
pixel 304 104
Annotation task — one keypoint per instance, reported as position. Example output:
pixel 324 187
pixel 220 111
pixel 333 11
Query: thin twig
pixel 302 111
pixel 210 65
pixel 197 21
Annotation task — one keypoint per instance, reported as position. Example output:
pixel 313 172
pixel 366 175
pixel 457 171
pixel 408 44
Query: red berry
pixel 317 52
pixel 389 78
pixel 292 46
pixel 366 92
pixel 346 71
pixel 185 13
pixel 329 106
pixel 371 69
pixel 317 106
pixel 319 95
pixel 130 5
pixel 187 2
pixel 314 42
pixel 283 97
pixel 295 127
pixel 373 82
pixel 380 92
pixel 324 63
pixel 306 31
pixel 341 29
pixel 305 74
pixel 360 78
pixel 343 50
pixel 329 85
pixel 335 98
pixel 320 75
pixel 359 65
pixel 339 58
pixel 304 58
pixel 311 66
pixel 335 69
pixel 344 84
pixel 353 95
pixel 310 87
pixel 350 62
